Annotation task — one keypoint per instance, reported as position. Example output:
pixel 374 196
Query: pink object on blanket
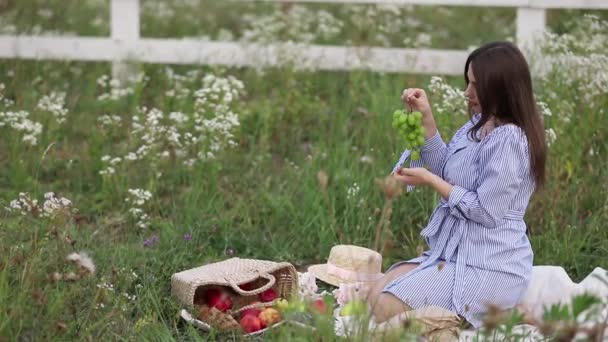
pixel 349 292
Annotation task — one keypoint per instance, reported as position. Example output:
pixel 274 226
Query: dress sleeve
pixel 433 154
pixel 503 164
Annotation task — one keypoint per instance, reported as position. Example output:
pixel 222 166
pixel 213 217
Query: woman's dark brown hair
pixel 504 91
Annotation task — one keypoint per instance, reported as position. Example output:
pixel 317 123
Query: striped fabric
pixel 479 252
pixel 405 156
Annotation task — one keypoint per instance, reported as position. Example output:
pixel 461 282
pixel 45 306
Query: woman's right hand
pixel 415 99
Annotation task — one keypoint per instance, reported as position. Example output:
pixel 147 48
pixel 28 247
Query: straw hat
pixel 349 264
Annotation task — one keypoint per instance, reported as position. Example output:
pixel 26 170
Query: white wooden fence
pixel 125 43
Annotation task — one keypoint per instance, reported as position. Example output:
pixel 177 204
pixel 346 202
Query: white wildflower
pixel 83 260
pixel 114 89
pixel 54 206
pixel 131 156
pixel 300 25
pixel 450 99
pixel 366 159
pixel 159 10
pixel 107 171
pixel 109 120
pixel 178 117
pixel 23 205
pixel 129 297
pixel 54 103
pixel 106 286
pixel 71 276
pixel 139 196
pixel 308 286
pixel 582 51
pixel 353 191
pixel 544 108
pixel 550 136
pixel 423 40
pixel 19 121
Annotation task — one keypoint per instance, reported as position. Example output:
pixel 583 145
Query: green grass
pixel 260 199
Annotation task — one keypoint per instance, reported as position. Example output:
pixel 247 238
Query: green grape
pixel 420 140
pixel 396 115
pixel 412 120
pixel 409 128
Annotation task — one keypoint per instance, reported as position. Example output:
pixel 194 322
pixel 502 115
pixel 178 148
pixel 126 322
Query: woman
pixel 479 252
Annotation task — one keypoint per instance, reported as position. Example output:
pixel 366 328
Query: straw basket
pixel 189 287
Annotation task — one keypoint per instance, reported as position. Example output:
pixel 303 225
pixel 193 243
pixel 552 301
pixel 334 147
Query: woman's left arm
pixel 422 176
pixel 500 178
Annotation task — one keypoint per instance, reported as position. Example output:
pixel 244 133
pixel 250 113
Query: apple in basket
pixel 282 304
pixel 251 311
pixel 270 316
pixel 251 323
pixel 247 286
pixel 268 295
pixel 219 299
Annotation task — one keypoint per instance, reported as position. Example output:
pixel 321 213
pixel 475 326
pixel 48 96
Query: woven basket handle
pixel 271 281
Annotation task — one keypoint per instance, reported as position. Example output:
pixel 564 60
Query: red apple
pixel 218 299
pixel 211 294
pixel 247 286
pixel 268 295
pixel 251 311
pixel 251 323
pixel 319 304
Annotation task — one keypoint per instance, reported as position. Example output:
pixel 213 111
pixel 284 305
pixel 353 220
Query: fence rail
pixel 546 4
pixel 125 44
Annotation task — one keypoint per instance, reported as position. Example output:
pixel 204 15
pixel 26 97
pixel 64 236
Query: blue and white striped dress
pixel 478 235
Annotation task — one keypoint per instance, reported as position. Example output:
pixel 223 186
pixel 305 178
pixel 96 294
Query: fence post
pixel 530 23
pixel 124 27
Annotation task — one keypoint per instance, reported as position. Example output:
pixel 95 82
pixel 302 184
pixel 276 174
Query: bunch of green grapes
pixel 409 127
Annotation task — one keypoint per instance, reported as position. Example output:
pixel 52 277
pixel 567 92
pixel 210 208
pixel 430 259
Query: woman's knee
pixel 386 306
pixel 376 289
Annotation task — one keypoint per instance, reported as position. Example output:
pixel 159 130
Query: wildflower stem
pixel 388 203
pixel 332 214
pixel 46 150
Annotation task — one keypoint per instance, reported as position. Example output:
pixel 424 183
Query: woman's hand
pixel 422 176
pixel 414 176
pixel 415 99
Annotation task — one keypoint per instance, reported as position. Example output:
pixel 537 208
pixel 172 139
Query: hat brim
pixel 320 272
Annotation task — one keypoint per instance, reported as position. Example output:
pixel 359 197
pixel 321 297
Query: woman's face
pixel 471 93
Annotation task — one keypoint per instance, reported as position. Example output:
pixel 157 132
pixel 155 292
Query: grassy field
pixel 188 165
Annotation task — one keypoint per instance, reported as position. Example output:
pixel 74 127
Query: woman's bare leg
pixel 388 306
pixel 385 305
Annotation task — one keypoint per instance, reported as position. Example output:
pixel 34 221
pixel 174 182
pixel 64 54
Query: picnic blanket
pixel 549 285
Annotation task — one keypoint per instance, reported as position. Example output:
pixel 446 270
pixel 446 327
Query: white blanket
pixel 552 285
pixel 549 285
